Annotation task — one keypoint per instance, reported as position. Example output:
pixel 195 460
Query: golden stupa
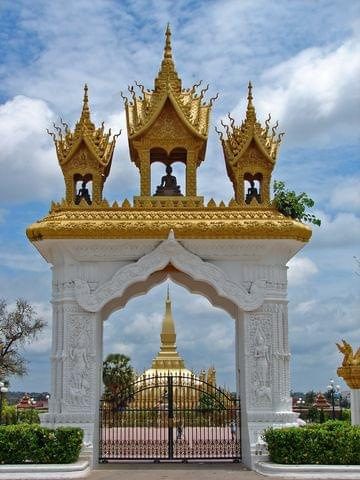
pixel 168 363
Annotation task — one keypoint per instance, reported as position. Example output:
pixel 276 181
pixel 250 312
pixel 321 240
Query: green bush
pixel 330 443
pixel 25 443
pixel 12 416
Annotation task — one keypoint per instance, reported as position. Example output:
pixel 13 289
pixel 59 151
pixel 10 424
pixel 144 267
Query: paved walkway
pixel 176 472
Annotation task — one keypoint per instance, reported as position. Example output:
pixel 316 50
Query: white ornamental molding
pixel 170 251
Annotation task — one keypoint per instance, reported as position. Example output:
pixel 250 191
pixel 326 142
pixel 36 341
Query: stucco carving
pixel 79 360
pixel 170 251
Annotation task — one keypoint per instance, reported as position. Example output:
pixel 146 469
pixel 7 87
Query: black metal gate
pixel 170 417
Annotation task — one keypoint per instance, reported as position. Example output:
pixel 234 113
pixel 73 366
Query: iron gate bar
pixel 140 423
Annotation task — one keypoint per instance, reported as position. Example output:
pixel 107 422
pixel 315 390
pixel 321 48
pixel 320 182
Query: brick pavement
pixel 176 472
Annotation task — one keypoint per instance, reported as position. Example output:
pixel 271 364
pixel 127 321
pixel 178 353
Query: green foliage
pixel 25 443
pixel 17 327
pixel 313 414
pixel 12 416
pixel 293 205
pixel 211 402
pixel 330 443
pixel 321 416
pixel 118 375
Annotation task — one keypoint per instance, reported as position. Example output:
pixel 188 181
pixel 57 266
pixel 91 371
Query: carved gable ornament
pixel 170 251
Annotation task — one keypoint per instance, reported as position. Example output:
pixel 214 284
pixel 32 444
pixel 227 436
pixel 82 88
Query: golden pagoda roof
pixel 142 111
pixel 100 144
pixel 239 137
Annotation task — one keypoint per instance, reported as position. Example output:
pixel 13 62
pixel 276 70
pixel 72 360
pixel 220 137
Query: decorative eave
pixel 211 222
pixel 100 144
pixel 143 110
pixel 239 138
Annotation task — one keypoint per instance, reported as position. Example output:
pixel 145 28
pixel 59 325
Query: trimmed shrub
pixel 25 443
pixel 330 443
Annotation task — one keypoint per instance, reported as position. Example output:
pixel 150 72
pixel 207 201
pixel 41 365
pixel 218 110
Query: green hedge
pixel 329 443
pixel 26 443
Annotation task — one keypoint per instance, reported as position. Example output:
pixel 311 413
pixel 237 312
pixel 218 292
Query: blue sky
pixel 304 61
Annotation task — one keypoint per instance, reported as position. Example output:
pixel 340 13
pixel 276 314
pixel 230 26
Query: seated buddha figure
pixel 83 193
pixel 168 184
pixel 252 193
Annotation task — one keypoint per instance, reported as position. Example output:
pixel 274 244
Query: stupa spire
pixel 168 334
pixel 168 357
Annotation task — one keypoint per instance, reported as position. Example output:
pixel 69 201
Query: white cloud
pixel 304 307
pixel 340 230
pixel 27 157
pixel 42 344
pixel 346 195
pixel 23 261
pixel 300 270
pixel 313 95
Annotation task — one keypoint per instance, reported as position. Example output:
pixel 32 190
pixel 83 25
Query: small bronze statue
pixel 252 193
pixel 83 193
pixel 168 186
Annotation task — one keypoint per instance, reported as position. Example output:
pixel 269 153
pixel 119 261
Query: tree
pixel 292 205
pixel 310 397
pixel 17 327
pixel 118 375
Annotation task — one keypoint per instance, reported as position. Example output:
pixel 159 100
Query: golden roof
pixel 239 137
pixel 212 221
pixel 100 144
pixel 190 106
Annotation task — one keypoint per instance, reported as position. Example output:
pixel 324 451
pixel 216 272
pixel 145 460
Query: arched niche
pixel 253 187
pixel 178 277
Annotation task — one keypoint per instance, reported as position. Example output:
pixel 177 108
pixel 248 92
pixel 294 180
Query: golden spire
pixel 250 111
pixel 167 75
pixel 168 357
pixel 168 334
pixel 85 120
pixel 167 48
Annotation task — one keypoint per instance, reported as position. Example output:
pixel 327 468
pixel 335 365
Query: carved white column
pixel 355 406
pixel 76 361
pixel 267 369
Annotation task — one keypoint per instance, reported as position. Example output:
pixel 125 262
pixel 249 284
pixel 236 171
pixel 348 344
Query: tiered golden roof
pixel 168 124
pixel 100 143
pixel 191 108
pixel 84 154
pixel 239 137
pixel 250 151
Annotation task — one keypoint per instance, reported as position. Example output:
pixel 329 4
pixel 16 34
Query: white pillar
pixel 355 406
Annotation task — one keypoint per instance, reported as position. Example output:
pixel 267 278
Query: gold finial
pixel 250 97
pixel 167 48
pixel 85 114
pixel 250 112
pixel 168 294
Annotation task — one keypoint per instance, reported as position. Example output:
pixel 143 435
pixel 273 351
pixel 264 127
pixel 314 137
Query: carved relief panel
pixel 80 360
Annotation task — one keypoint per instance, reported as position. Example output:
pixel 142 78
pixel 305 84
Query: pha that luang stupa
pixel 168 362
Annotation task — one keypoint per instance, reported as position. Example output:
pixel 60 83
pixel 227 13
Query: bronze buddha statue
pixel 83 193
pixel 168 186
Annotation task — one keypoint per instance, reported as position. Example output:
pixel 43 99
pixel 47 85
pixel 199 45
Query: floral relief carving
pixel 170 251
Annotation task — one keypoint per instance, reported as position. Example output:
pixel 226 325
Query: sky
pixel 303 58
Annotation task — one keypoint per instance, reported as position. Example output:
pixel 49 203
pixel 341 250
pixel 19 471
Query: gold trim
pixel 207 222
